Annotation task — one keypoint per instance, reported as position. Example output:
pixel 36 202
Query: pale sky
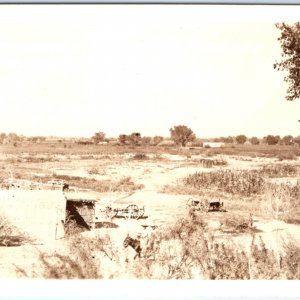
pixel 72 70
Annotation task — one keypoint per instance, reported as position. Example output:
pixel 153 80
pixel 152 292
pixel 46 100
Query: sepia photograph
pixel 153 142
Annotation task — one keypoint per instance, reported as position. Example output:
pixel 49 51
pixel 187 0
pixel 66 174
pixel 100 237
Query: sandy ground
pixel 160 209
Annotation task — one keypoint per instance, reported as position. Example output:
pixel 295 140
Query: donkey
pixel 135 244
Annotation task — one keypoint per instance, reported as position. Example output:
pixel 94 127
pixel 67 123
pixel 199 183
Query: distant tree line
pixel 269 140
pixel 180 135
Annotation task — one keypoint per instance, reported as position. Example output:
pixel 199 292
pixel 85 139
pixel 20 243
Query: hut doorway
pixel 82 212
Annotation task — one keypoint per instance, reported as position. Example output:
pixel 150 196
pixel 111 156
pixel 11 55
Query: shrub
pixel 81 262
pixel 187 250
pixel 286 156
pixel 93 171
pixel 209 163
pixel 126 184
pixel 237 223
pixel 10 235
pixel 263 263
pixel 140 156
pixel 290 261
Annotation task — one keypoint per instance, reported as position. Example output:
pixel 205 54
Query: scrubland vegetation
pixel 184 250
pixel 253 180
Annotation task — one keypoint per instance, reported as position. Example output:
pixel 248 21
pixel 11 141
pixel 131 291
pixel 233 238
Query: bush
pixel 187 250
pixel 93 171
pixel 237 223
pixel 81 262
pixel 209 163
pixel 10 235
pixel 140 156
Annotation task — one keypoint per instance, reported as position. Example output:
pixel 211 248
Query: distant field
pixel 77 149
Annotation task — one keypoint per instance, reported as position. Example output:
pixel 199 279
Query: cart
pixel 132 211
pixel 197 205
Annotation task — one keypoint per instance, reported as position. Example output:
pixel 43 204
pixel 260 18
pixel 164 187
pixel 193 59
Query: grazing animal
pixel 135 244
pixel 215 205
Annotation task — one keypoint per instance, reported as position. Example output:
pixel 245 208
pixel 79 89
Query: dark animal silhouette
pixel 215 206
pixel 135 244
pixel 65 187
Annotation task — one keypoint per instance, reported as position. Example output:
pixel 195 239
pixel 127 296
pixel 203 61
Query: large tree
pixel 98 137
pixel 241 139
pixel 290 45
pixel 181 134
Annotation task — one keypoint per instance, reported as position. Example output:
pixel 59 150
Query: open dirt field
pixel 154 184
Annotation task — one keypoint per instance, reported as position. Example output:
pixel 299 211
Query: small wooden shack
pixel 81 208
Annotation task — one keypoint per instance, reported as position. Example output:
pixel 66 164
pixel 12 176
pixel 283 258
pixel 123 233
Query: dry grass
pixel 71 148
pixel 282 170
pixel 187 250
pixel 83 260
pixel 125 184
pixel 281 202
pixel 93 171
pixel 10 235
pixel 237 223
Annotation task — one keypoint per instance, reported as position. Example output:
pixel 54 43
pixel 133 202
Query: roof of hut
pixel 82 196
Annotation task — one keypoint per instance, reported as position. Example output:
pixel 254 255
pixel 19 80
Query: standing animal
pixel 216 205
pixel 65 187
pixel 135 244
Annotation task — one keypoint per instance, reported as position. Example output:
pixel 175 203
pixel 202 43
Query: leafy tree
pixel 13 137
pixel 290 45
pixel 135 138
pixel 254 140
pixel 272 140
pixel 122 139
pixel 287 140
pixel 181 134
pixel 98 137
pixel 241 139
